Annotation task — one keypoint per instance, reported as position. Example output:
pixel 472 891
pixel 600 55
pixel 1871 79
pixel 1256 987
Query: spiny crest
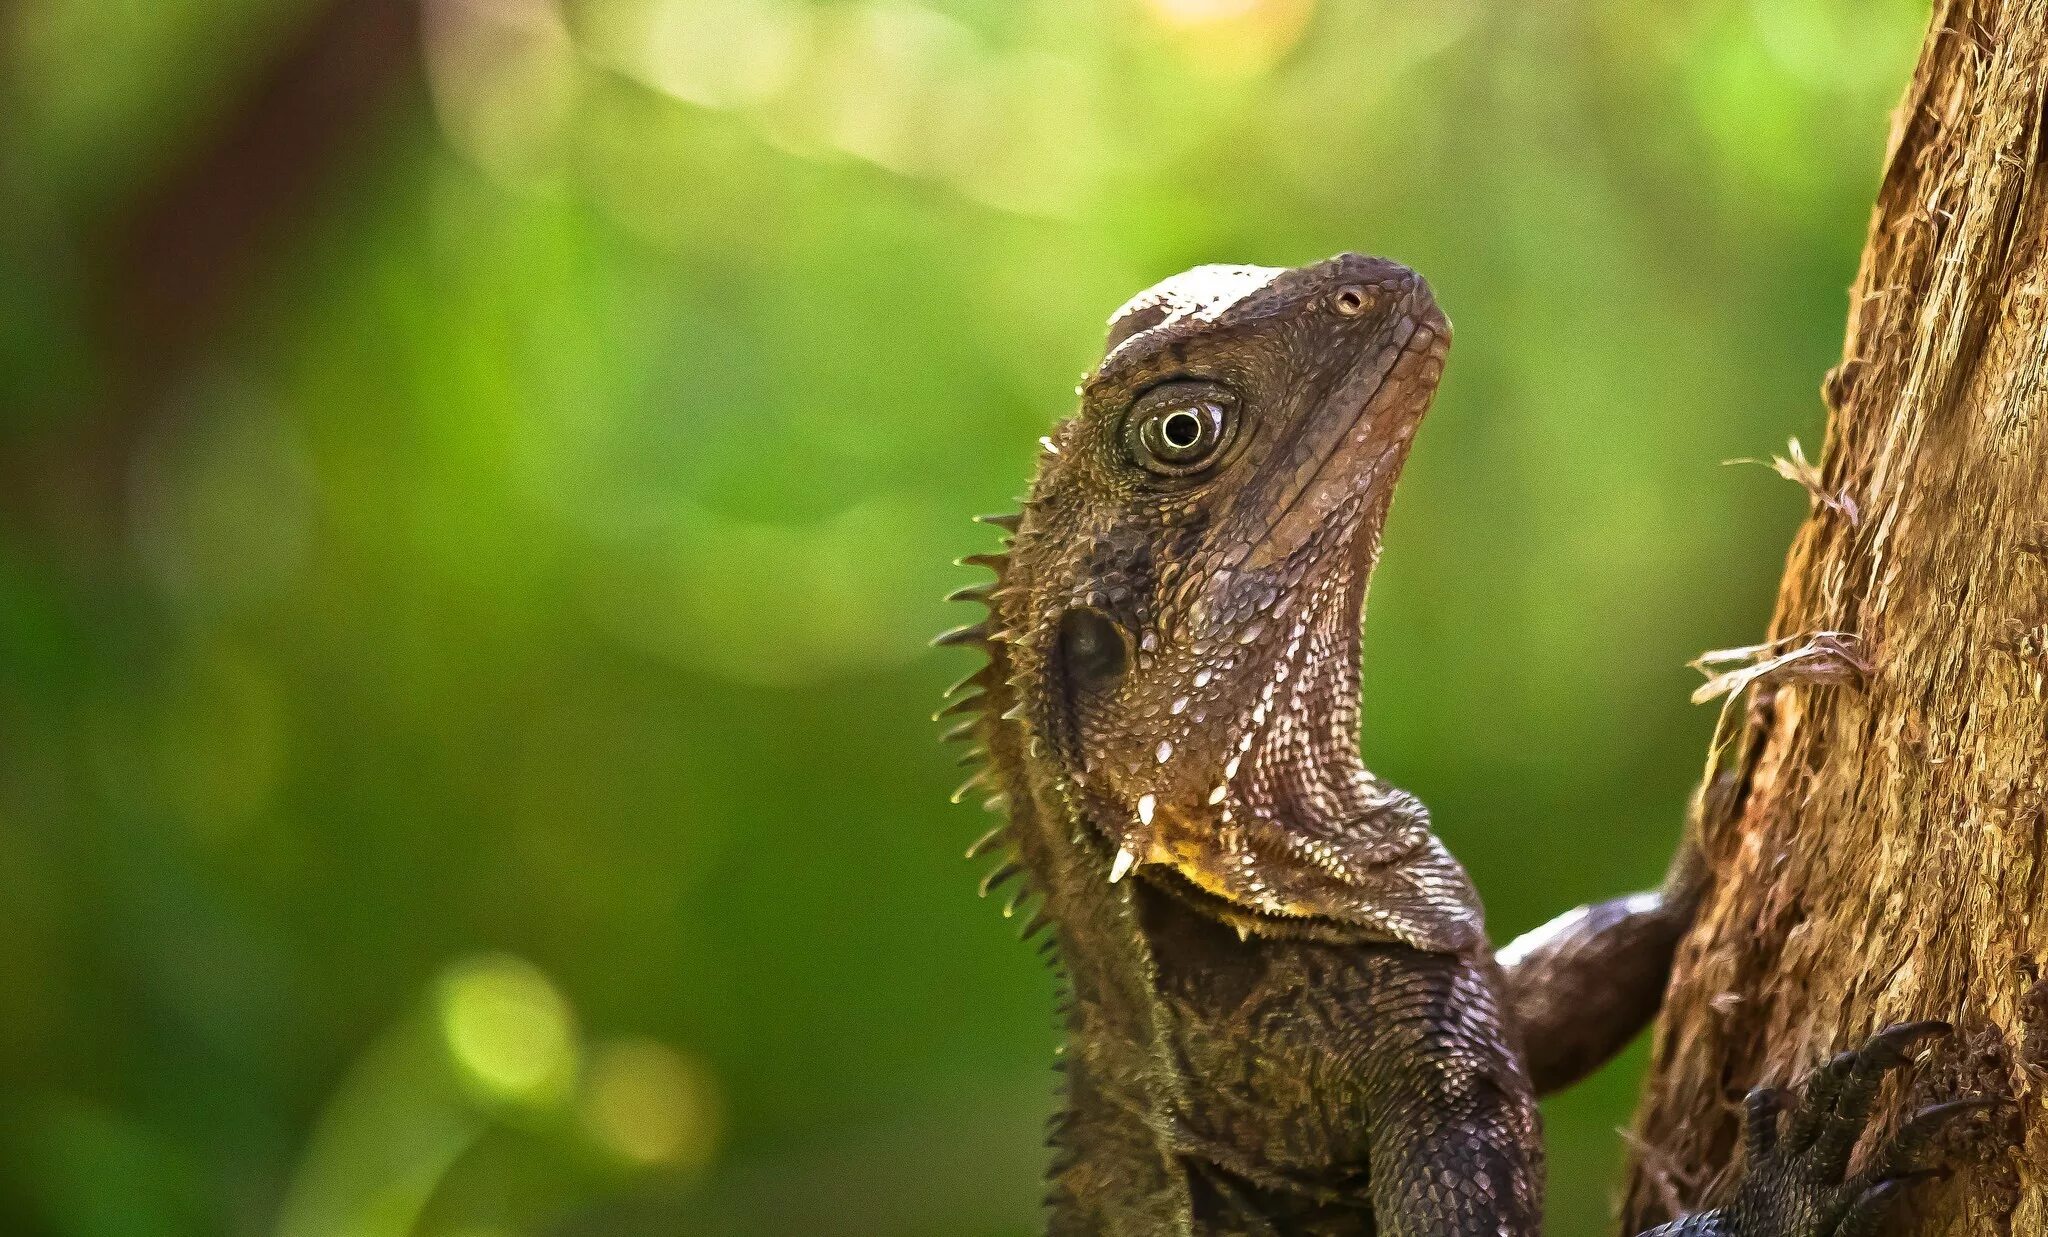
pixel 973 700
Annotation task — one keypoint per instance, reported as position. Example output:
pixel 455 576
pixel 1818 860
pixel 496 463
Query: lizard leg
pixel 1456 1150
pixel 1795 1180
pixel 1582 986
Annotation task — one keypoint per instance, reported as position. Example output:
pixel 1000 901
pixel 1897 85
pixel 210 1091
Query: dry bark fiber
pixel 1883 854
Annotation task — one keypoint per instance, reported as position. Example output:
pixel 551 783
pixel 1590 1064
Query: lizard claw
pixel 1796 1181
pixel 1875 1203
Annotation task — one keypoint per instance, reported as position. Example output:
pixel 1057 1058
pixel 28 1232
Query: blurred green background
pixel 477 480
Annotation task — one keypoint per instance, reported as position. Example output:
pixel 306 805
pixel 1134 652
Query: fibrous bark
pixel 1883 853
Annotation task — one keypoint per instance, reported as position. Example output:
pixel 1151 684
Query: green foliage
pixel 489 789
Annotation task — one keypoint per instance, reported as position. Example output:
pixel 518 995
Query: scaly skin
pixel 1283 1015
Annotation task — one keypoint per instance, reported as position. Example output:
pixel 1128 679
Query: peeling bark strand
pixel 1888 848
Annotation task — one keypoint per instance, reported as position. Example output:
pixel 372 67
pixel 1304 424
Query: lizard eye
pixel 1179 429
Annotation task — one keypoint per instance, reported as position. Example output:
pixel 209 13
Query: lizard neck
pixel 1300 744
pixel 1120 1085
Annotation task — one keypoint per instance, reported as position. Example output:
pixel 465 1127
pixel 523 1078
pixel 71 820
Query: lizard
pixel 1282 1015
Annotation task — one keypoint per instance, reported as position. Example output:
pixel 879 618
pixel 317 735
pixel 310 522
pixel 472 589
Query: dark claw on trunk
pixel 1887 1050
pixel 1792 1179
pixel 1819 1099
pixel 1924 1128
pixel 1760 1111
pixel 1875 1203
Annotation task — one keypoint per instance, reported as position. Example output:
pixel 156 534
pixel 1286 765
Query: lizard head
pixel 1186 586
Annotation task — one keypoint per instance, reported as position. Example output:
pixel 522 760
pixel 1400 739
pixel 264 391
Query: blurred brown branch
pixel 171 266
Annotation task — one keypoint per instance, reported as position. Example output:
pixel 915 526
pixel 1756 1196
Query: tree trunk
pixel 1883 852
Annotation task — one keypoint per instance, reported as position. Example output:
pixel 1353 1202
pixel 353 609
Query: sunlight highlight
pixel 1232 37
pixel 509 1030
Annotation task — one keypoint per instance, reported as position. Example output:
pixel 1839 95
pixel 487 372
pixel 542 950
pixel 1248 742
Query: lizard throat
pixel 1286 811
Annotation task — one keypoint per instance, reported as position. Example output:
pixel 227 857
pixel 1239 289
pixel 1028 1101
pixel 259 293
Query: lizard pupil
pixel 1181 430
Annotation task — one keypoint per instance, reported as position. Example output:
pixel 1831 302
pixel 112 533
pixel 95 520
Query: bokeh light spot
pixel 509 1030
pixel 721 53
pixel 1233 37
pixel 649 1105
pixel 505 81
pixel 1201 12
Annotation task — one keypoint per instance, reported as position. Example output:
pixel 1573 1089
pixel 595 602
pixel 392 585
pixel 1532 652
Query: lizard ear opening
pixel 1092 656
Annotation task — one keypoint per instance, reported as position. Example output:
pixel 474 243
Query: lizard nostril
pixel 1351 300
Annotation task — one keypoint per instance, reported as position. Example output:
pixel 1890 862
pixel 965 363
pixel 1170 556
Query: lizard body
pixel 1282 1012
